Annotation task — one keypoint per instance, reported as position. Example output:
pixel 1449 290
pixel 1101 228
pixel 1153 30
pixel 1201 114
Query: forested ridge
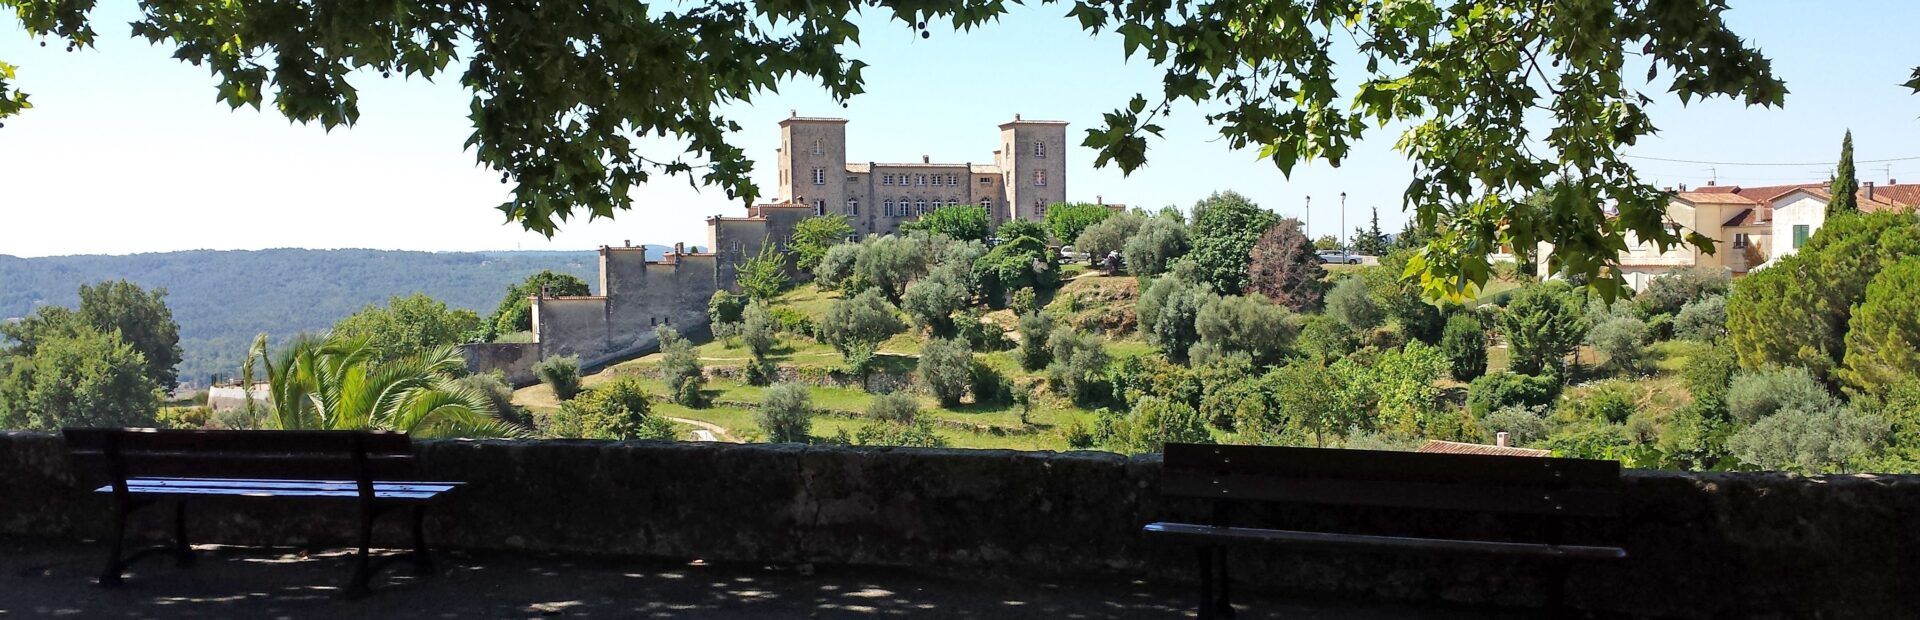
pixel 223 298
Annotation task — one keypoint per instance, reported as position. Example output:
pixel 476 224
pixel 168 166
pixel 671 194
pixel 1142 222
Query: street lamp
pixel 1343 223
pixel 1309 228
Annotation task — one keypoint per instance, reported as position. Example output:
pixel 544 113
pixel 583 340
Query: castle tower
pixel 1033 156
pixel 813 163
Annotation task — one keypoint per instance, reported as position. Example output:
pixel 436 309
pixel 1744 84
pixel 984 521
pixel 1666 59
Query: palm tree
pixel 334 384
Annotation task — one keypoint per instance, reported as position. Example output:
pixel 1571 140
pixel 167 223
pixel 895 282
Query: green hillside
pixel 223 298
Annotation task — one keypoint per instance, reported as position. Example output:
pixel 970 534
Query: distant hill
pixel 223 298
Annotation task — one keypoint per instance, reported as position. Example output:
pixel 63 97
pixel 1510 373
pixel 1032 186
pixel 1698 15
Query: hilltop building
pixel 636 293
pixel 1027 173
pixel 1752 226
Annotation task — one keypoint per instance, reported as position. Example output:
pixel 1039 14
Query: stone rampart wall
pixel 1702 545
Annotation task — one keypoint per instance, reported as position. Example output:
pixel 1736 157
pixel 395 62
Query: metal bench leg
pixel 183 552
pixel 110 576
pixel 1222 606
pixel 1206 583
pixel 363 564
pixel 422 559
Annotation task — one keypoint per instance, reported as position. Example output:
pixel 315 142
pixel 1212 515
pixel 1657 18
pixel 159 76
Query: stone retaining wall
pixel 1702 545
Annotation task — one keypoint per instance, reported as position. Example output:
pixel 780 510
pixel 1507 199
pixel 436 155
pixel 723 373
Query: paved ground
pixel 56 578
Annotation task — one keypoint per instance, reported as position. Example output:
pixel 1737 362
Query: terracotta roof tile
pixel 1715 198
pixel 1455 447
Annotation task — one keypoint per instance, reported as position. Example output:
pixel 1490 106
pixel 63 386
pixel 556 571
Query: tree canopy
pixel 1067 220
pixel 1225 227
pixel 562 91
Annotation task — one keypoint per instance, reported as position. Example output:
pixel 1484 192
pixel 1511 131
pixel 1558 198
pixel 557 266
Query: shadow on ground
pixel 56 578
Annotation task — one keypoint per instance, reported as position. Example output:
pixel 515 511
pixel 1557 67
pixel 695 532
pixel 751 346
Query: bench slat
pixel 267 483
pixel 391 494
pixel 1326 540
pixel 274 442
pixel 1423 495
pixel 1290 462
pixel 250 465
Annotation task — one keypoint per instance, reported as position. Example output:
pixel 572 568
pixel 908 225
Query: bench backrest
pixel 1465 482
pixel 123 453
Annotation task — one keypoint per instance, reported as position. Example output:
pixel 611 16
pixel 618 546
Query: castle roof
pixel 812 119
pixel 1017 121
pixel 985 169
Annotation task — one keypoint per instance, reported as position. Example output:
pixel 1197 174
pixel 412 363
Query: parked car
pixel 1339 257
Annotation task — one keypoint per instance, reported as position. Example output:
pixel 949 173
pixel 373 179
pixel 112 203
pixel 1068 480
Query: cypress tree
pixel 1845 182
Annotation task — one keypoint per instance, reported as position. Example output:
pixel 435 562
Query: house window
pixel 952 203
pixel 986 180
pixel 920 208
pixel 953 180
pixel 1039 178
pixel 886 179
pixel 819 207
pixel 1800 234
pixel 817 147
pixel 1039 207
pixel 819 176
pixel 987 203
pixel 853 206
pixel 919 179
pixel 1039 149
pixel 886 207
pixel 1739 240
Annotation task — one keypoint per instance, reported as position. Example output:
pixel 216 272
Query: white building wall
pixel 1795 209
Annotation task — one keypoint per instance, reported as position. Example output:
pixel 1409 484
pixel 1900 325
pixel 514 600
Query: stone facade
pixel 1028 173
pixel 1718 545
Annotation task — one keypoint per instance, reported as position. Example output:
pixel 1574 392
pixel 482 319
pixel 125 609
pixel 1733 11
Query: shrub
pixel 680 368
pixel 493 386
pixel 1608 401
pixel 561 374
pixel 1703 319
pixel 1503 389
pixel 945 368
pixel 963 222
pixel 763 276
pixel 1621 339
pixel 786 414
pixel 1167 310
pixel 725 307
pixel 1817 440
pixel 1708 375
pixel 887 263
pixel 1150 425
pixel 979 335
pixel 918 435
pixel 1246 326
pixel 1079 437
pixel 1022 262
pixel 1036 329
pixel 931 301
pixel 617 410
pixel 815 236
pixel 1161 240
pixel 1524 425
pixel 1754 395
pixel 1353 305
pixel 184 418
pixel 1324 339
pixel 1669 293
pixel 1225 227
pixel 896 408
pixel 756 331
pixel 1883 336
pixel 1465 345
pixel 1542 325
pixel 836 267
pixel 1079 365
pixel 1109 235
pixel 1067 221
pixel 1023 301
pixel 791 321
pixel 855 327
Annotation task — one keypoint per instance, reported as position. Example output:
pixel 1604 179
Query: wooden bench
pixel 1553 489
pixel 144 467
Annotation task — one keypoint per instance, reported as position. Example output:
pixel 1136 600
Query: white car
pixel 1339 257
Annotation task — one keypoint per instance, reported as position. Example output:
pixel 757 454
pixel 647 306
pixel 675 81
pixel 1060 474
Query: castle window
pixel 1039 149
pixel 819 176
pixel 1039 207
pixel 886 207
pixel 819 207
pixel 953 179
pixel 853 206
pixel 818 148
pixel 920 208
pixel 920 179
pixel 953 203
pixel 987 203
pixel 986 180
pixel 1039 178
pixel 886 179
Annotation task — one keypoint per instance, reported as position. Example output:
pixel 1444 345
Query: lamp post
pixel 1309 227
pixel 1343 224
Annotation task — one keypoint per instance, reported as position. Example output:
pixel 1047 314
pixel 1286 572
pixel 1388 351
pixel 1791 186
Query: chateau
pixel 635 294
pixel 1028 173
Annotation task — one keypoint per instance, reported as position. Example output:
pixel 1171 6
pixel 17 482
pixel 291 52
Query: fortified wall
pixel 636 294
pixel 1715 545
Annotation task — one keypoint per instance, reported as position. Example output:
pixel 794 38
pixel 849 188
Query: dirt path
pixel 717 430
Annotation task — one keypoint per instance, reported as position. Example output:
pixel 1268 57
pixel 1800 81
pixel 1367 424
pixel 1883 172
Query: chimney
pixel 1867 187
pixel 794 113
pixel 1711 182
pixel 1099 200
pixel 1016 117
pixel 626 243
pixel 928 160
pixel 1893 182
pixel 1683 187
pixel 680 247
pixel 1500 439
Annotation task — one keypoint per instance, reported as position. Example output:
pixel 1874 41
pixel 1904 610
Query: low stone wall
pixel 515 360
pixel 1701 545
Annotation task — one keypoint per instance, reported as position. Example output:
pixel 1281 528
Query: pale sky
pixel 126 150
